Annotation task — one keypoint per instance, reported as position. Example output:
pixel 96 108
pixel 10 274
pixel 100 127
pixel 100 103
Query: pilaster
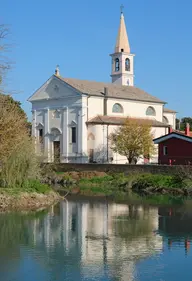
pixel 34 124
pixel 65 135
pixel 47 141
pixel 79 132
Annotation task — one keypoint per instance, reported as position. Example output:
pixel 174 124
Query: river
pixel 97 240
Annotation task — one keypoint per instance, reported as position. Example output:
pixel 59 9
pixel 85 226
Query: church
pixel 72 119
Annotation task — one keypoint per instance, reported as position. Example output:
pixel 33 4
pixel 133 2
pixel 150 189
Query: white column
pixel 79 132
pixel 65 137
pixel 34 124
pixel 47 143
pixel 82 133
pixel 34 116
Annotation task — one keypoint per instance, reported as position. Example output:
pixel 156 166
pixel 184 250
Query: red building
pixel 175 148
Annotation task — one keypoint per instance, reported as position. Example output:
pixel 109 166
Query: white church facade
pixel 72 118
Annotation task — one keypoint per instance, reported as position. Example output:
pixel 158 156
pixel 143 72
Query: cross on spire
pixel 121 8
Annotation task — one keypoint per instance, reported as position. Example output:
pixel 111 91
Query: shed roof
pixel 175 134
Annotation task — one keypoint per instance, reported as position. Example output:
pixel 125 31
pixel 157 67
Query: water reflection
pixel 91 241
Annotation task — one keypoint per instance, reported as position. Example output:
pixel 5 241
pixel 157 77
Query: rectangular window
pixel 73 134
pixel 41 135
pixel 91 152
pixel 40 132
pixel 165 150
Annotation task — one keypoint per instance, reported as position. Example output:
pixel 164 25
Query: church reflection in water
pixel 99 235
pixel 81 240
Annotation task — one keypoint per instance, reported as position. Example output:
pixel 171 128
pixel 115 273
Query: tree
pixel 18 161
pixel 6 99
pixel 181 124
pixel 4 62
pixel 133 140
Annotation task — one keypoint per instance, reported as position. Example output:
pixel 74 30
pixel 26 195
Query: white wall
pixel 135 109
pixel 95 106
pixel 99 145
pixel 131 108
pixel 171 118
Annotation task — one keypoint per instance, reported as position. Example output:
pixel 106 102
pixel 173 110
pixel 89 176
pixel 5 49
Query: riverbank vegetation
pixel 20 174
pixel 21 184
pixel 112 184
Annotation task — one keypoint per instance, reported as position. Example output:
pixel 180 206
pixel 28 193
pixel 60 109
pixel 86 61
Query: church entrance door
pixel 56 148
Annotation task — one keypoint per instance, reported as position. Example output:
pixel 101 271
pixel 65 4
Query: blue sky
pixel 80 35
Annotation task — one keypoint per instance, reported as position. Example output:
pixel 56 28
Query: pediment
pixel 73 123
pixel 54 88
pixel 40 126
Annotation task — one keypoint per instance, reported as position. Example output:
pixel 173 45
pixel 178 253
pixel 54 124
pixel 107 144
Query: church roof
pixel 167 110
pixel 113 120
pixel 114 91
pixel 122 42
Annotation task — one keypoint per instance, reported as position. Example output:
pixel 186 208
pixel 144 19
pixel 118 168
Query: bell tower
pixel 122 60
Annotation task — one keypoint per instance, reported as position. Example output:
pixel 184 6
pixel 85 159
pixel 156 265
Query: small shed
pixel 175 148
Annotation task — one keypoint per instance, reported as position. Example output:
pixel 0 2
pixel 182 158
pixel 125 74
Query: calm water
pixel 97 241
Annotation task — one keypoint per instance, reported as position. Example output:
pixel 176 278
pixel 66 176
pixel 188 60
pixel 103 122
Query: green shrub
pixel 35 186
pixel 67 178
pixel 98 180
pixel 149 180
pixel 21 165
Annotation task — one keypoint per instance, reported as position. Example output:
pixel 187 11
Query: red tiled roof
pixel 114 120
pixel 182 132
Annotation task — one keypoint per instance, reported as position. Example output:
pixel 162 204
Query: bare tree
pixel 4 47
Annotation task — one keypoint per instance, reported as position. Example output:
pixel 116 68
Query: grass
pixel 96 185
pixel 121 185
pixel 29 186
pixel 149 180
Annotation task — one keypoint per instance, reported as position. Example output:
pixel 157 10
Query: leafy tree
pixel 17 156
pixel 6 99
pixel 133 140
pixel 18 162
pixel 181 124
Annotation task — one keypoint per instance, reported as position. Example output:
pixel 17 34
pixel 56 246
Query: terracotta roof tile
pixel 114 91
pixel 182 132
pixel 167 110
pixel 113 120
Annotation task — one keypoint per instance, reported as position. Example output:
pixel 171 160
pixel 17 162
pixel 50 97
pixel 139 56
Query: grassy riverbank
pixel 122 185
pixel 32 195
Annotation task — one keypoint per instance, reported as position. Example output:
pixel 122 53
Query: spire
pixel 122 43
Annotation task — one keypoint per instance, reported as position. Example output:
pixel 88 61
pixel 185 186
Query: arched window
pixel 116 64
pixel 165 120
pixel 150 111
pixel 56 131
pixel 127 64
pixel 91 137
pixel 117 108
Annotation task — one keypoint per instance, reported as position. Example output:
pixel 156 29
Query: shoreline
pixel 27 201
